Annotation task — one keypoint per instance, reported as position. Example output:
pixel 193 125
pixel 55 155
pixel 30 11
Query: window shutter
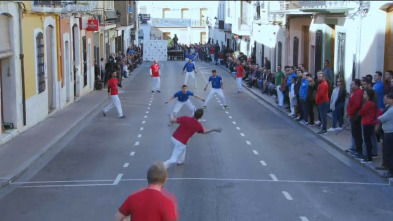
pixel 5 44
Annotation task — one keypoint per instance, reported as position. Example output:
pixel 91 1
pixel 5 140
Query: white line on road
pixel 226 112
pixel 145 116
pixel 274 178
pixel 143 122
pixel 149 104
pixel 230 117
pixel 141 128
pixel 126 165
pixel 132 153
pixel 287 196
pixel 234 122
pixel 139 135
pixel 136 143
pixel 218 101
pixel 118 178
pixel 242 134
pixel 147 112
pixel 263 163
pixel 237 128
pixel 303 218
pixel 255 152
pixel 148 108
pixel 248 142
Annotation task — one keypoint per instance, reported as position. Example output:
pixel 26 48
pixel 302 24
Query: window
pixel 279 54
pixel 165 12
pixel 203 16
pixel 295 50
pixel 185 13
pixel 40 62
pixel 84 61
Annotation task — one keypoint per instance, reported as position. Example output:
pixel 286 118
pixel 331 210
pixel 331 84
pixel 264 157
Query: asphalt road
pixel 261 167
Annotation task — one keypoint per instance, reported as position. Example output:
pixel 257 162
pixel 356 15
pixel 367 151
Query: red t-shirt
pixel 155 70
pixel 212 50
pixel 188 126
pixel 322 95
pixel 112 83
pixel 149 205
pixel 239 71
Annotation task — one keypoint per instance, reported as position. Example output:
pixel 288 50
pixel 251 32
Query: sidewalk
pixel 340 141
pixel 17 155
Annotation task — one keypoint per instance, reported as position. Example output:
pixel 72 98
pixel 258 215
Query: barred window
pixel 40 62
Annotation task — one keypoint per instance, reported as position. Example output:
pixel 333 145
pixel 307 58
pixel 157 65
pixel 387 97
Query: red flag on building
pixel 92 25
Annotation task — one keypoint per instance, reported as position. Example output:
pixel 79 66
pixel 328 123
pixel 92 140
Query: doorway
pixel 306 42
pixel 50 68
pixel 76 59
pixel 67 72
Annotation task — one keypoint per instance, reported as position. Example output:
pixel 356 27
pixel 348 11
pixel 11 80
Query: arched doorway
pixel 76 58
pixel 67 71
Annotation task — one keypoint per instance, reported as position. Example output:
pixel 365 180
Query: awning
pixel 110 15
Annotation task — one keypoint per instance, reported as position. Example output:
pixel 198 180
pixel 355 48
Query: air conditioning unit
pixel 221 24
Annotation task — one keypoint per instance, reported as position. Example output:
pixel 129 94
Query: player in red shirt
pixel 152 203
pixel 113 83
pixel 239 76
pixel 188 127
pixel 155 74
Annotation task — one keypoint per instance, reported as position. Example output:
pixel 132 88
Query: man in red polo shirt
pixel 113 92
pixel 152 203
pixel 239 76
pixel 322 100
pixel 155 74
pixel 212 52
pixel 188 127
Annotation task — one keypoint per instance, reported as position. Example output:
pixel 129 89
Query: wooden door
pixel 388 61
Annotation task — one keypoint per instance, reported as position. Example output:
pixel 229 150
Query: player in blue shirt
pixel 189 70
pixel 216 88
pixel 183 98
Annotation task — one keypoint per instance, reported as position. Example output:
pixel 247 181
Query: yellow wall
pixel 29 23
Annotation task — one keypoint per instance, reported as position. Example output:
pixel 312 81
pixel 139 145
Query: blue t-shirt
pixel 216 81
pixel 289 80
pixel 190 56
pixel 303 89
pixel 183 97
pixel 379 88
pixel 189 67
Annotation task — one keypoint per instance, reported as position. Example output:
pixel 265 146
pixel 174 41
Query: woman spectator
pixel 369 114
pixel 337 104
pixel 387 125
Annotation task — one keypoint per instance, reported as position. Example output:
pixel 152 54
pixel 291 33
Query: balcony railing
pixel 48 3
pixel 325 4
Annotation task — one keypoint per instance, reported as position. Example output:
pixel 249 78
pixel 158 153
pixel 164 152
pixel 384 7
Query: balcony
pixel 327 6
pixel 276 18
pixel 171 22
pixel 48 3
pixel 227 27
pixel 196 23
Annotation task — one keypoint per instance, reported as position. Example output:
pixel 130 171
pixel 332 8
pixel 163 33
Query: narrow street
pixel 263 166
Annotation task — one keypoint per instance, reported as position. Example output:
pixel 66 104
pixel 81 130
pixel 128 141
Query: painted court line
pixel 145 116
pixel 230 117
pixel 274 178
pixel 242 134
pixel 132 153
pixel 255 152
pixel 139 135
pixel 286 195
pixel 143 122
pixel 226 112
pixel 141 128
pixel 303 218
pixel 136 143
pixel 118 178
pixel 263 163
pixel 237 128
pixel 234 122
pixel 126 165
pixel 148 108
pixel 147 112
pixel 248 142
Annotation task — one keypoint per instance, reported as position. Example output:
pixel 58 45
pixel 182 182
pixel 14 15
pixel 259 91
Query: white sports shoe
pixel 332 129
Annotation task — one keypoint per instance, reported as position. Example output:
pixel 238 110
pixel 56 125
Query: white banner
pixel 155 49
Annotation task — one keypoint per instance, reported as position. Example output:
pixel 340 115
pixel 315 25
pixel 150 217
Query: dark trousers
pixel 304 113
pixel 310 107
pixel 356 131
pixel 367 133
pixel 323 108
pixel 388 145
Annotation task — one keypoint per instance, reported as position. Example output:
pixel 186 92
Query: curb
pixel 327 141
pixel 51 144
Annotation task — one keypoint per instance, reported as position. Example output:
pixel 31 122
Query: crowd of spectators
pixel 368 113
pixel 123 63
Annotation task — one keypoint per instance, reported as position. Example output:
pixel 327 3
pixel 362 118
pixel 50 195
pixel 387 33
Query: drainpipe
pixel 22 64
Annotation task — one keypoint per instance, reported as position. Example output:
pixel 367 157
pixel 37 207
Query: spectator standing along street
pixel 279 80
pixel 353 107
pixel 322 100
pixel 337 104
pixel 386 120
pixel 379 88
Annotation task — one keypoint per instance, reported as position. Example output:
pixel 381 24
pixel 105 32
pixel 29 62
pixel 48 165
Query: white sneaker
pixel 339 128
pixel 332 129
pixel 317 122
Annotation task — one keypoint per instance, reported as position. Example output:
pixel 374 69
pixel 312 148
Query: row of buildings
pixel 355 36
pixel 47 53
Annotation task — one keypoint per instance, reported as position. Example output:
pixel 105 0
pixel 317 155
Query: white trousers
pixel 280 96
pixel 155 84
pixel 212 56
pixel 179 104
pixel 239 83
pixel 115 102
pixel 219 92
pixel 191 74
pixel 178 153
